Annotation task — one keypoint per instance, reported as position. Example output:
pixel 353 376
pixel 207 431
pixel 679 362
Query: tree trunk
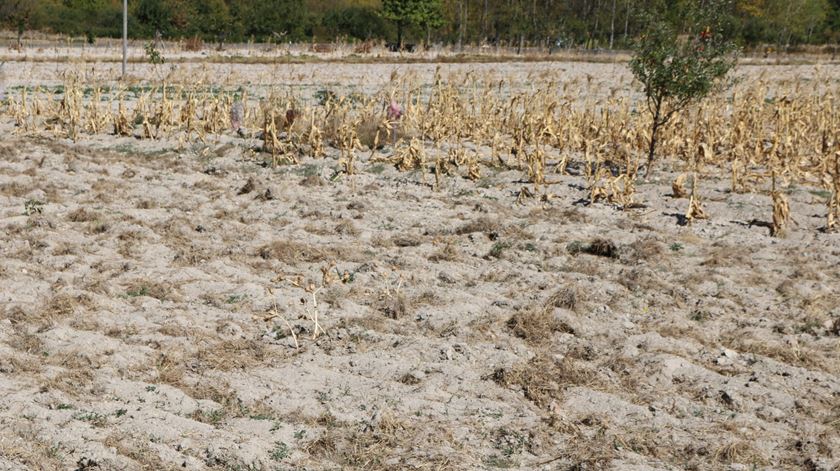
pixel 612 25
pixel 534 15
pixel 399 35
pixel 466 18
pixel 651 150
pixel 626 20
pixel 785 29
pixel 653 138
pixel 461 26
pixel 484 20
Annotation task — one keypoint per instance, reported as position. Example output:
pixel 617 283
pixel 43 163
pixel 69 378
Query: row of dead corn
pixel 765 138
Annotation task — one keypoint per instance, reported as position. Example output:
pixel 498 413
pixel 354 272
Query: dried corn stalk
pixel 536 166
pixel 621 191
pixel 410 157
pixel 781 214
pixel 122 125
pixel 524 194
pixel 834 201
pixel 348 142
pixel 269 132
pixel 695 210
pixel 781 211
pixel 473 168
pixel 315 139
pixel 678 187
pixel 599 185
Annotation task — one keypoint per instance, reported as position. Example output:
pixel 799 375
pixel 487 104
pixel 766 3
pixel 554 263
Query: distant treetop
pixel 598 24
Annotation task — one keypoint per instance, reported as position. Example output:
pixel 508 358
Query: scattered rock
pixel 446 278
pixel 413 377
pixel 248 187
pixel 835 327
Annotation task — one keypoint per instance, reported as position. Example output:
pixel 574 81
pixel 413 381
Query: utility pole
pixel 125 37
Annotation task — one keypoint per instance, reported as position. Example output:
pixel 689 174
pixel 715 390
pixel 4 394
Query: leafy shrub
pixel 677 70
pixel 153 55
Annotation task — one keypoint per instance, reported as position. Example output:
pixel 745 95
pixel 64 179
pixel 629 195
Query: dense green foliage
pixel 588 23
pixel 426 13
pixel 675 69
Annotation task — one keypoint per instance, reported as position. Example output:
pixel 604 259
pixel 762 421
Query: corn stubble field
pixel 418 268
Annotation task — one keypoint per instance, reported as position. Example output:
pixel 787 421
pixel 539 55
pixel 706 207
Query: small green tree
pixel 677 70
pixel 153 54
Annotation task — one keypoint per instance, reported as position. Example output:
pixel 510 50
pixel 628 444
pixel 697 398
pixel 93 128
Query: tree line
pixel 602 24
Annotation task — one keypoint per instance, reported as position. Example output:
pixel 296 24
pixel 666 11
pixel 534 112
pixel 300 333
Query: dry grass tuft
pixel 800 355
pixel 558 214
pixel 741 452
pixel 248 187
pixel 602 248
pixel 292 253
pixel 313 181
pixel 25 341
pixel 537 325
pixel 82 215
pixel 146 204
pixel 395 306
pixel 833 418
pixel 447 253
pixel 367 131
pixel 647 248
pixel 678 189
pixel 483 224
pixel 138 449
pixel 544 377
pixel 406 241
pixel 77 376
pixel 346 228
pixel 15 189
pixel 410 379
pixel 25 447
pixel 62 305
pixel 231 354
pixel 596 442
pixel 171 369
pixel 727 256
pixel 599 247
pixel 59 306
pixel 428 298
pixel 318 229
pixel 162 291
pixel 385 443
pixel 567 297
pixel 835 327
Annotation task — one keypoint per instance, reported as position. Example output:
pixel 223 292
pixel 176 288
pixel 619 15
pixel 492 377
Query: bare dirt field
pixel 189 305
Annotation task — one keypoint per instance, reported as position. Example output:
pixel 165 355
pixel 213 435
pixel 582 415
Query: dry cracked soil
pixel 195 308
